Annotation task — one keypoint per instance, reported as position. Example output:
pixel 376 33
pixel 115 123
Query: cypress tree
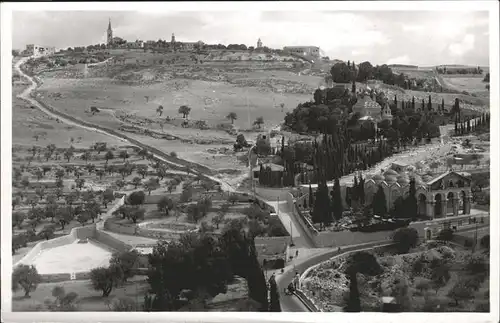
pixel 337 200
pixel 411 200
pixel 274 305
pixel 442 105
pixel 256 280
pixel 361 194
pixel 321 205
pixel 355 190
pixel 353 88
pixel 429 105
pixel 311 195
pixel 423 105
pixel 413 103
pixel 396 101
pixel 261 175
pixel 379 203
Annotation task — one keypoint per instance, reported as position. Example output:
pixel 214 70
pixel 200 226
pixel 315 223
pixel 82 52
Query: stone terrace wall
pixel 112 242
pixel 345 238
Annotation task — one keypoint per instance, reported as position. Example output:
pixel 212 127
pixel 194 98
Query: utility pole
pixel 291 234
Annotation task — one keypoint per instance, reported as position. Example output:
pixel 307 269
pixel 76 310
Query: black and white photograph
pixel 262 159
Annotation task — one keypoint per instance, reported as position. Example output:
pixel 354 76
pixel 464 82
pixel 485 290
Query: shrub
pixel 104 279
pixel 123 304
pixel 127 261
pixel 63 302
pixel 485 242
pixel 405 238
pixel 445 235
pixel 173 154
pixel 460 291
pixel 422 284
pixel 26 277
pixel 137 198
pixel 476 264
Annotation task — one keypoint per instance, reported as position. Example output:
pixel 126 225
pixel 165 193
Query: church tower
pixel 110 33
pixel 259 43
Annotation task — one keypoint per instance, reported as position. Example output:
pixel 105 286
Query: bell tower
pixel 259 43
pixel 109 33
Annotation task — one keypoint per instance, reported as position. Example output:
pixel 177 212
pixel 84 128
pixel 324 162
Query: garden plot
pixel 72 258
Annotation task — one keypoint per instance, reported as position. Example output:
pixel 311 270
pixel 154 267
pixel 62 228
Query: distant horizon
pixel 421 38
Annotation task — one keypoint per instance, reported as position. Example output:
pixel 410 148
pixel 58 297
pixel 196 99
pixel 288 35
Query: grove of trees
pixel 200 266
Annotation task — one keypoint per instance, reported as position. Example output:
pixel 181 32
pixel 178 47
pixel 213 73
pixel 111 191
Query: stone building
pixel 38 51
pixel 369 109
pixel 312 51
pixel 448 194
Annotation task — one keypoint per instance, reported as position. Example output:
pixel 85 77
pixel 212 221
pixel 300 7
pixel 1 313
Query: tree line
pixel 472 125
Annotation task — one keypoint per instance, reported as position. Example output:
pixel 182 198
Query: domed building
pixel 448 194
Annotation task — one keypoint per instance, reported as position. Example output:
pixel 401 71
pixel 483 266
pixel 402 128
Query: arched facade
pixel 446 195
pixel 450 195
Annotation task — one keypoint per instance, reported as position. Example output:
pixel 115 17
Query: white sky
pixel 405 37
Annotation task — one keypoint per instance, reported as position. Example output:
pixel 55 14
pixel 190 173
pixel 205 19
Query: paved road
pixel 290 222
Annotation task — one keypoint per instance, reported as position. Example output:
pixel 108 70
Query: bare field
pixel 414 72
pixel 27 122
pixel 193 152
pixel 210 101
pixel 470 83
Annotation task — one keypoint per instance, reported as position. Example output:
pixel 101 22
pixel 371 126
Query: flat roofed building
pixel 303 50
pixel 37 50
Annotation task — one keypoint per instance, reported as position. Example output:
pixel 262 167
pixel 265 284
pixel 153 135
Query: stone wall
pixel 345 238
pixel 112 242
pixel 55 278
pixel 272 194
pixel 75 233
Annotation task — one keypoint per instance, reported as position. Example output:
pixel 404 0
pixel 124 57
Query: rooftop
pixel 274 167
pixel 298 47
pixel 366 103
